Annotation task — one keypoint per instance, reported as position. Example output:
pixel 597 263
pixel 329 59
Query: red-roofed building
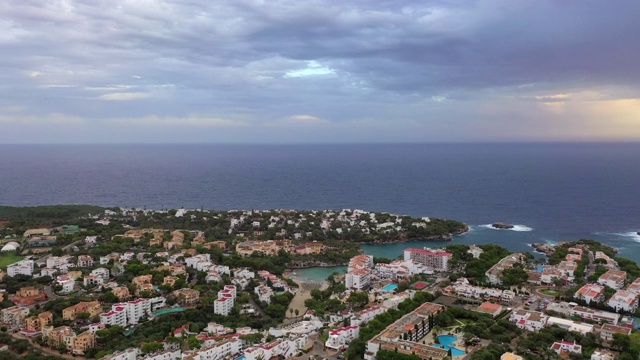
pixel 490 309
pixel 607 331
pixel 340 338
pixel 566 348
pixel 419 285
pixel 591 292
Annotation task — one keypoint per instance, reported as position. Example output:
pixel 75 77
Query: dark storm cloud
pixel 259 63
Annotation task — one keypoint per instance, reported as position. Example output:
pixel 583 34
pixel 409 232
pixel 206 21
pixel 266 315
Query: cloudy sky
pixel 318 71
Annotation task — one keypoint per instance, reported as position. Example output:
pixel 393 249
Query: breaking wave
pixel 514 228
pixel 631 234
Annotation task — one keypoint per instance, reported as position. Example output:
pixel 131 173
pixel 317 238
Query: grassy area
pixel 9 258
pixel 550 292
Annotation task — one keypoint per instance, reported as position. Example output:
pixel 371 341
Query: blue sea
pixel 552 191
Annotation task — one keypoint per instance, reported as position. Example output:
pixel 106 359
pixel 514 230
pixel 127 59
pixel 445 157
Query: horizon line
pixel 491 142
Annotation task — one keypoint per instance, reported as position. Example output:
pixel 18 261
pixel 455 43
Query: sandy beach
pixel 303 293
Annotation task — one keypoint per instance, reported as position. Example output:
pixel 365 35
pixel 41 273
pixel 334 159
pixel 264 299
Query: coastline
pixel 448 237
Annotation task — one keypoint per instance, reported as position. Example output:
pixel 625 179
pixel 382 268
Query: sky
pixel 318 71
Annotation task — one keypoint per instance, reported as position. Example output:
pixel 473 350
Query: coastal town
pixel 125 284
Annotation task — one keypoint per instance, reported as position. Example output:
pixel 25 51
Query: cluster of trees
pixel 536 345
pixel 514 276
pixel 491 352
pixel 630 266
pixel 321 302
pixel 392 355
pixel 436 228
pixel 484 326
pixel 13 284
pixel 25 217
pixel 492 255
pixel 17 346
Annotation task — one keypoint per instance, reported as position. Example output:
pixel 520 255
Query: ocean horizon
pixel 551 192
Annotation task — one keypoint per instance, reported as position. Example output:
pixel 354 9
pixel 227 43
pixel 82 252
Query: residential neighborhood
pixel 116 291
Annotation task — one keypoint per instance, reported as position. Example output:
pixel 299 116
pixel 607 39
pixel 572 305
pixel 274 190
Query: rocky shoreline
pixel 447 237
pixel 501 226
pixel 547 249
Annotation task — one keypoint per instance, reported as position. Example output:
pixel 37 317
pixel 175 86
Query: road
pixel 50 294
pixel 46 350
pixel 318 351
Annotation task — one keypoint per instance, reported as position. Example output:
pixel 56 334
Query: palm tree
pixel 297 313
pixel 291 312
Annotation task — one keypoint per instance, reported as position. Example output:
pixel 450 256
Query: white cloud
pixel 307 120
pixel 124 96
pixel 188 121
pixel 313 69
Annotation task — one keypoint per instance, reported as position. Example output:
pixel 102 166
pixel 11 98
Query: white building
pixel 603 354
pixel 193 261
pixel 396 299
pixel 590 293
pixel 90 240
pixel 437 260
pixel 14 316
pixel 225 301
pixel 117 316
pixel 624 300
pixel 264 293
pixel 218 350
pixel 286 347
pixel 137 309
pixel 55 262
pixel 475 251
pixel 217 329
pixel 48 272
pixel 101 273
pixel 634 287
pixel 560 347
pixel 244 273
pixel 550 274
pixel 367 315
pixel 167 354
pixel 582 328
pixel 595 315
pixel 340 338
pixel 222 269
pixel 67 283
pixel 613 278
pixel 242 283
pixel 22 267
pixel 89 280
pixel 528 320
pixel 127 313
pixel 157 302
pixel 357 279
pixel 85 261
pixel 128 354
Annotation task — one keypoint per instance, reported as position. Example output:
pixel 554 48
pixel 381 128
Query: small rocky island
pixel 502 226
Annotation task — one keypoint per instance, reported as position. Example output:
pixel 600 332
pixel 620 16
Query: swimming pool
pixel 446 342
pixel 168 311
pixel 390 287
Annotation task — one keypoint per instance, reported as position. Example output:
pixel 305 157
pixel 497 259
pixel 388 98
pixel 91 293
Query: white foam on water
pixel 631 234
pixel 514 228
